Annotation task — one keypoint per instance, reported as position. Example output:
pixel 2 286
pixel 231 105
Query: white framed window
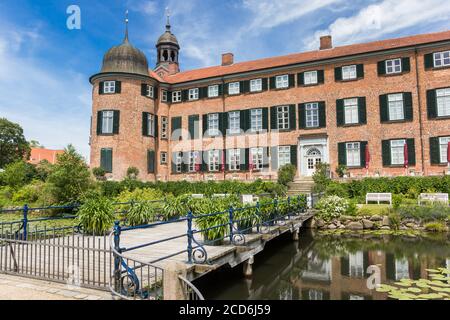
pixel 149 91
pixel 349 72
pixel 282 82
pixel 257 155
pixel 176 96
pixel 151 125
pixel 164 95
pixel 109 87
pixel 283 117
pixel 255 85
pixel 401 269
pixel 193 161
pixel 193 94
pixel 213 91
pixel 397 152
pixel 443 146
pixel 351 111
pixel 393 66
pixel 213 160
pixel 310 77
pixel 312 115
pixel 107 122
pixel 164 127
pixel 443 102
pixel 234 159
pixel 396 110
pixel 314 295
pixel 234 120
pixel 213 124
pixel 179 162
pixel 256 116
pixel 356 264
pixel 442 59
pixel 163 157
pixel 353 150
pixel 234 88
pixel 284 156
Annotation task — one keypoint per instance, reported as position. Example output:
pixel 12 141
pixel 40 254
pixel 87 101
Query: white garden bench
pixel 379 197
pixel 197 196
pixel 433 197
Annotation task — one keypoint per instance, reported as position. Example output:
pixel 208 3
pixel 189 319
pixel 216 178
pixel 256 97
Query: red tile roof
pixel 38 154
pixel 305 57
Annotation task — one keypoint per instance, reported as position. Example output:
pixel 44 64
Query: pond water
pixel 329 267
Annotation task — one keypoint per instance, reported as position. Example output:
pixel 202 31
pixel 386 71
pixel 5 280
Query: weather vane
pixel 168 13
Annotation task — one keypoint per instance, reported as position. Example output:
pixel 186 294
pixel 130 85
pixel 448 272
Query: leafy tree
pixel 36 144
pixel 13 146
pixel 321 177
pixel 43 169
pixel 70 176
pixel 18 174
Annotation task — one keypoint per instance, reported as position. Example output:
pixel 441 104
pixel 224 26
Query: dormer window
pixel 109 87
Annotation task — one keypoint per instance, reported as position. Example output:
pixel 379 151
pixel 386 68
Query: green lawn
pixel 374 209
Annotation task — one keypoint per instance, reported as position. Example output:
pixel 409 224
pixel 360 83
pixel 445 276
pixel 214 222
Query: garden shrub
pixel 96 215
pixel 332 207
pixel 18 174
pixel 336 189
pixel 321 177
pixel 99 173
pixel 286 174
pixel 132 173
pixel 394 220
pixel 426 213
pixel 141 213
pixel 436 227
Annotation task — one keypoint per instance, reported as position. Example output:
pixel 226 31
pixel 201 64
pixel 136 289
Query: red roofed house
pixel 39 154
pixel 355 105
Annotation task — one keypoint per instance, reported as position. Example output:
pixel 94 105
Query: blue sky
pixel 44 67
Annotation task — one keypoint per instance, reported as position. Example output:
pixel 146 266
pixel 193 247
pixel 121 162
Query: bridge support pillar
pixel 296 235
pixel 173 289
pixel 248 267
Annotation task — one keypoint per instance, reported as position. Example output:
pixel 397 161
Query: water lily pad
pixel 414 290
pixel 383 289
pixel 402 284
pixel 430 296
pixel 422 285
pixel 433 271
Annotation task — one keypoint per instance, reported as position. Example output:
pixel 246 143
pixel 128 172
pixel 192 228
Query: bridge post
pixel 172 285
pixel 190 235
pixel 296 235
pixel 258 213
pixel 231 222
pixel 248 267
pixel 117 273
pixel 25 222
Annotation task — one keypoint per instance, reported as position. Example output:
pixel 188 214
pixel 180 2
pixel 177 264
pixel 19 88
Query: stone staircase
pixel 301 185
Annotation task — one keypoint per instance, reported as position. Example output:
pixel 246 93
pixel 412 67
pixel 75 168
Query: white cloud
pixel 51 106
pixel 149 7
pixel 384 18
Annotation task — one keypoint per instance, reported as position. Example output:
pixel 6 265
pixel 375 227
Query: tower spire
pixel 168 13
pixel 126 27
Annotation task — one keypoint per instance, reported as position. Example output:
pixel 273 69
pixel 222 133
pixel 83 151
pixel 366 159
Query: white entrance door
pixel 312 158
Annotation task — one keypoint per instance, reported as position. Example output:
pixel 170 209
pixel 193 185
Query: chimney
pixel 326 42
pixel 227 59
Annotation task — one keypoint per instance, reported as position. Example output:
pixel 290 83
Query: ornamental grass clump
pixel 96 215
pixel 332 207
pixel 141 213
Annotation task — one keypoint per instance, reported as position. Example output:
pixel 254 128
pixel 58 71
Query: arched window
pixel 172 56
pixel 165 55
pixel 313 152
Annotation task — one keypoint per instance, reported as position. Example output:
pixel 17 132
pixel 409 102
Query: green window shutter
pixel 273 118
pixel 431 104
pixel 265 84
pixel 294 155
pixel 302 115
pixel 406 65
pixel 118 87
pixel 362 110
pixel 203 92
pixel 245 154
pixel 265 113
pixel 169 97
pixel 204 159
pixel 145 124
pixel 342 153
pixel 176 125
pixel 338 74
pixel 99 122
pixel 205 125
pixel 185 95
pixel 151 161
pixel 244 86
pixel 155 93
pixel 101 88
pixel 429 61
pixel 193 126
pixel 362 153
pixel 292 117
pixel 322 115
pixel 244 120
pixel 301 79
pixel 291 80
pixel 435 151
pixel 340 112
pixel 411 152
pixel 223 123
pixel 106 160
pixel 266 162
pixel 360 70
pixel 273 83
pixel 345 266
pixel 386 152
pixel 174 166
pixel 381 67
pixel 274 158
pixel 221 90
pixel 144 89
pixel 408 105
pixel 156 126
pixel 321 76
pixel 116 122
pixel 384 108
pixel 225 88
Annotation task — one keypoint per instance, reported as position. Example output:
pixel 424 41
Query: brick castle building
pixel 379 108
